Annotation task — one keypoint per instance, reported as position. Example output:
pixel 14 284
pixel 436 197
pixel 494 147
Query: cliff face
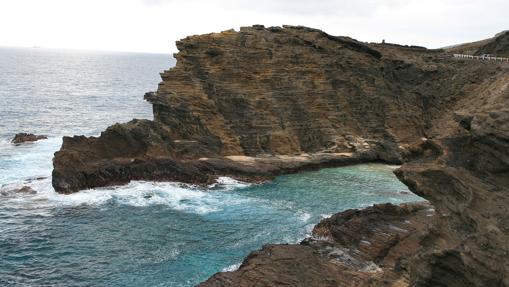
pixel 265 101
pixel 467 180
pixel 267 92
pixel 463 171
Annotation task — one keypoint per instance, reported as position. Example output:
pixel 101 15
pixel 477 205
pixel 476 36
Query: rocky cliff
pixel 264 101
pixel 241 103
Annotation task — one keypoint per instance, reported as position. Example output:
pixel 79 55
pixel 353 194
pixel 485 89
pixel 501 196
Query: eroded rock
pixel 369 247
pixel 26 137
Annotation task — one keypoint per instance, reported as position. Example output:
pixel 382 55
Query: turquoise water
pixel 166 234
pixel 141 234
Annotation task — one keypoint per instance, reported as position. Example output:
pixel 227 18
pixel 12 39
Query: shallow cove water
pixel 141 234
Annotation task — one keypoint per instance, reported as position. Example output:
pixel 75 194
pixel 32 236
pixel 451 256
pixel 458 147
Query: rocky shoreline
pixel 368 247
pixel 266 101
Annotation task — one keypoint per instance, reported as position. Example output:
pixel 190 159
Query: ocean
pixel 144 233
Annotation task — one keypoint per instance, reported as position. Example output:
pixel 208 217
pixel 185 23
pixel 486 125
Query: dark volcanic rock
pixel 498 47
pixel 25 137
pixel 271 92
pixel 369 247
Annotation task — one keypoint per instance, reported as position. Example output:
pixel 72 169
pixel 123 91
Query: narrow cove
pixel 171 234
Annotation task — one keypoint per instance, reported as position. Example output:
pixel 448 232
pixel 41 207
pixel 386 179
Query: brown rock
pixel 369 247
pixel 25 137
pixel 468 183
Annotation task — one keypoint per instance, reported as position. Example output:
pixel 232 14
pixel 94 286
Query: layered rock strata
pixel 271 92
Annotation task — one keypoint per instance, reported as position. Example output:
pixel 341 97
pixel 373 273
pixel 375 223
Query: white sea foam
pixel 30 165
pixel 27 161
pixel 303 216
pixel 392 166
pixel 231 268
pixel 228 184
pixel 177 196
pixel 140 193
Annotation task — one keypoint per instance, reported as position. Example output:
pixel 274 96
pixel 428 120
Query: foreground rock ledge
pixel 369 247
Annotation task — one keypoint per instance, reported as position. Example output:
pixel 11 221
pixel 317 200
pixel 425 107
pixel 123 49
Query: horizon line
pixel 36 47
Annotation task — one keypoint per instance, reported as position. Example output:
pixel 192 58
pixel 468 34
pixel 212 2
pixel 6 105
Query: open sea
pixel 144 233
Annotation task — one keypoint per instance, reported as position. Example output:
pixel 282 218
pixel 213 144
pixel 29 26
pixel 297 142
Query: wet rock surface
pixel 26 137
pixel 5 191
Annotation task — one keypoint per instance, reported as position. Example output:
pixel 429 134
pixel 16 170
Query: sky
pixel 154 25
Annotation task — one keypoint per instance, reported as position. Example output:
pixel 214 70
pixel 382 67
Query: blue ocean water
pixel 141 234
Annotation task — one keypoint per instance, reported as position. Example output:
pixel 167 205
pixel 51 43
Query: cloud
pixel 294 7
pixel 154 25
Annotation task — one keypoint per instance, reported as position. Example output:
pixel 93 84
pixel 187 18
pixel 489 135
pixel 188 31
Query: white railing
pixel 489 58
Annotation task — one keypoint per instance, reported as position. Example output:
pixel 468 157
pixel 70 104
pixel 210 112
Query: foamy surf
pixel 177 196
pixel 27 161
pixel 227 184
pixel 231 268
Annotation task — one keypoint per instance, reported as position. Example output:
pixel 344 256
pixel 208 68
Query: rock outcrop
pixel 265 101
pixel 22 190
pixel 466 178
pixel 369 247
pixel 497 46
pixel 26 137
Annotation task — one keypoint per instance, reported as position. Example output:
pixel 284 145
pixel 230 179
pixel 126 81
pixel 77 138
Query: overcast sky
pixel 155 25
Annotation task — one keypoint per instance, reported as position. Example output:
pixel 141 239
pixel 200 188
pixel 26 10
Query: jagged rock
pixel 369 247
pixel 468 183
pixel 270 92
pixel 25 137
